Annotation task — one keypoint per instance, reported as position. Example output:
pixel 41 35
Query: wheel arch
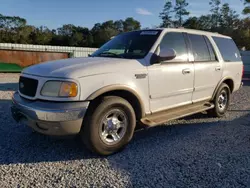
pixel 125 92
pixel 227 80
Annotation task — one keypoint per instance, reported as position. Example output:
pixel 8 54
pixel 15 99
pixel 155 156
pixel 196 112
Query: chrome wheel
pixel 113 126
pixel 223 100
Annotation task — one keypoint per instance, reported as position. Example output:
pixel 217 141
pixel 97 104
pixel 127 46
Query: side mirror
pixel 166 54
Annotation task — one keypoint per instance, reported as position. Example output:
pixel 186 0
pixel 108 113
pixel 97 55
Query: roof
pixel 194 31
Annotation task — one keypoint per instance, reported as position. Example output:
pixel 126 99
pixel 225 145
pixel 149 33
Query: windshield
pixel 131 45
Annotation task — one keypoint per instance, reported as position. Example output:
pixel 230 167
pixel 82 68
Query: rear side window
pixel 199 47
pixel 228 49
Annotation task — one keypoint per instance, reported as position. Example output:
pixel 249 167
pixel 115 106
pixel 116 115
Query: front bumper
pixel 50 118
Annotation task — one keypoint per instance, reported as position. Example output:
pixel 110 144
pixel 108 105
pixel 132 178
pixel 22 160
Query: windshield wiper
pixel 110 54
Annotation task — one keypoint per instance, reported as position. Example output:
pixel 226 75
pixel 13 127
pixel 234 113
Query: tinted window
pixel 200 48
pixel 177 42
pixel 228 49
pixel 131 45
pixel 211 50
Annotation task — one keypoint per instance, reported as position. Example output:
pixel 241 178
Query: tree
pixel 9 22
pixel 246 10
pixel 14 30
pixel 72 35
pixel 119 25
pixel 66 30
pixel 206 22
pixel 215 9
pixel 131 24
pixel 103 32
pixel 87 39
pixel 200 23
pixel 229 17
pixel 166 15
pixel 180 11
pixel 9 27
pixel 192 23
pixel 41 35
pixel 241 35
pixel 23 34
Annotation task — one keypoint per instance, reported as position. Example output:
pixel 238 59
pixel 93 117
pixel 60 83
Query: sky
pixel 85 13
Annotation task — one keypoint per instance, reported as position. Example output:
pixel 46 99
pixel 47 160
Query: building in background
pixel 15 57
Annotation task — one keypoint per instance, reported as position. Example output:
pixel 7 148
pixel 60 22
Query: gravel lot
pixel 193 152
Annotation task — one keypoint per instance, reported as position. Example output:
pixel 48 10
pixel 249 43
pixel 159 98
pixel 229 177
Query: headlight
pixel 59 89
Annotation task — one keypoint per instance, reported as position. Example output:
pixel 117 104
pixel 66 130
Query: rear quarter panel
pixel 233 70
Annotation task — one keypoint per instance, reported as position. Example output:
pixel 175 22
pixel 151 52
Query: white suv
pixel 145 77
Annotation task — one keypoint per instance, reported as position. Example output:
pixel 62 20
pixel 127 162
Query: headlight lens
pixel 68 89
pixel 59 89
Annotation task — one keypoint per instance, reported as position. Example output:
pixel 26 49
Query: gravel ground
pixel 193 152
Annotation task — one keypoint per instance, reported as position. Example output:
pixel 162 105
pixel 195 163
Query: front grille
pixel 28 86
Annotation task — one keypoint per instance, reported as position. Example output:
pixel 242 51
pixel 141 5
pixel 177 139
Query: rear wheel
pixel 110 126
pixel 221 101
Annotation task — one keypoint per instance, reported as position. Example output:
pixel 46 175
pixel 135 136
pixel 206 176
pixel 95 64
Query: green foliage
pixel 41 35
pixel 180 11
pixel 169 12
pixel 215 10
pixel 229 17
pixel 222 19
pixel 166 15
pixel 130 24
pixel 246 10
pixel 193 23
pixel 15 30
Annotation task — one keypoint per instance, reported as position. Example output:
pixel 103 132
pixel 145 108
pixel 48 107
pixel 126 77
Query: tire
pixel 221 105
pixel 105 118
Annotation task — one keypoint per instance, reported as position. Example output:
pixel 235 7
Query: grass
pixel 9 67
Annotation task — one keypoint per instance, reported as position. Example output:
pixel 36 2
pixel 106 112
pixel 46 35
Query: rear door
pixel 208 70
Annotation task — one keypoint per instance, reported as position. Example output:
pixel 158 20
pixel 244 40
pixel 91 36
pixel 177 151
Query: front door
pixel 171 83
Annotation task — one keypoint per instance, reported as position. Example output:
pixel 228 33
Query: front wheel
pixel 110 126
pixel 221 101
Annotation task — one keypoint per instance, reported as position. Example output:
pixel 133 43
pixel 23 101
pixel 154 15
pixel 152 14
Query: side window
pixel 211 50
pixel 200 48
pixel 177 42
pixel 228 49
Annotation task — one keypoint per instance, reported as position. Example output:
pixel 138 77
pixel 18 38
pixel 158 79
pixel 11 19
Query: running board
pixel 159 118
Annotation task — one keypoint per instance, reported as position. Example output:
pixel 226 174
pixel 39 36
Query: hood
pixel 84 66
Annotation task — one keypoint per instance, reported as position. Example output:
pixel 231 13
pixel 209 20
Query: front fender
pixel 96 85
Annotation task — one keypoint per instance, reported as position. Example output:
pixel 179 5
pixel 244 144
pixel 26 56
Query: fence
pixel 14 57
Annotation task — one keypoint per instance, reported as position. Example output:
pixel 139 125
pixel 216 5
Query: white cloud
pixel 143 11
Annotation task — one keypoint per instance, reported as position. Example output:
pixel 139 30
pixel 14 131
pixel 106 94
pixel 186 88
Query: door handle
pixel 217 68
pixel 186 71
